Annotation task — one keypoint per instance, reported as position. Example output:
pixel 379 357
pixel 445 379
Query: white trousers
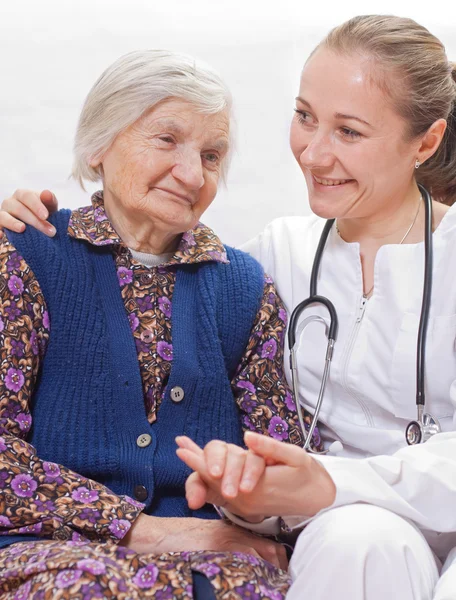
pixel 362 552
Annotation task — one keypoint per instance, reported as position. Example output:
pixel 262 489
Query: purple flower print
pixel 90 565
pixel 209 569
pixel 15 285
pixel 13 262
pixel 4 521
pixel 24 421
pixel 247 592
pixel 17 348
pixel 24 485
pixel 34 343
pixel 289 402
pixel 133 502
pixel 164 594
pixel 269 349
pixel 35 528
pixel 88 514
pixel 52 472
pixel 2 324
pixel 267 592
pixel 12 311
pixel 92 590
pixel 46 321
pixel 165 306
pixel 134 321
pixel 84 495
pixel 124 275
pixel 165 350
pixel 278 428
pixel 144 304
pixel 141 347
pixel 316 437
pixel 2 445
pixel 248 423
pixel 283 316
pixel 47 505
pixel 23 591
pixel 119 527
pixel 14 379
pixel 189 238
pixel 67 578
pixel 246 385
pixel 248 405
pixel 99 214
pixel 146 577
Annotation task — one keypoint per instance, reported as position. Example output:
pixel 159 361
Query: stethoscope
pixel 426 425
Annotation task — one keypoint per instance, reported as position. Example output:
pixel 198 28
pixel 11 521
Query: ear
pixel 431 140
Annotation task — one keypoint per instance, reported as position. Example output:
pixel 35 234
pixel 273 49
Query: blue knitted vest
pixel 88 406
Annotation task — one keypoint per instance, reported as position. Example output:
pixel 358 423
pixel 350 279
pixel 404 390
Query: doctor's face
pixel 348 140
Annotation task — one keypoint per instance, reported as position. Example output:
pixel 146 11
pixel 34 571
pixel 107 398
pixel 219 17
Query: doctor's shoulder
pixel 285 237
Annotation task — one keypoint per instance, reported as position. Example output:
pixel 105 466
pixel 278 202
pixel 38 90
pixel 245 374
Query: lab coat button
pixel 140 493
pixel 177 394
pixel 143 440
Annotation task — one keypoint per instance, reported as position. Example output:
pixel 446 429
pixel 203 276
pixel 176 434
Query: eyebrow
pixel 339 115
pixel 221 145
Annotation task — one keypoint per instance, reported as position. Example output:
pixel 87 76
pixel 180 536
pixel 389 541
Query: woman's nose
pixel 317 153
pixel 189 171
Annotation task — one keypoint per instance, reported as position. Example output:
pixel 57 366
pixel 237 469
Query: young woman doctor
pixel 375 115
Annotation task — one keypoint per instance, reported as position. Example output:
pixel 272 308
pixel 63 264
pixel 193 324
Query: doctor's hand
pixel 28 207
pixel 291 481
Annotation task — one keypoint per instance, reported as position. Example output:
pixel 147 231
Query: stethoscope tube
pixel 425 426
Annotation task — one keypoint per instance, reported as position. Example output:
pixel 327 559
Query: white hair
pixel 132 85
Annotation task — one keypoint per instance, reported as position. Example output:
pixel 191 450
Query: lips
pixel 331 182
pixel 177 195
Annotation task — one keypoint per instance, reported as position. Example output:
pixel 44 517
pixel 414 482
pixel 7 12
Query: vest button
pixel 177 394
pixel 140 493
pixel 143 440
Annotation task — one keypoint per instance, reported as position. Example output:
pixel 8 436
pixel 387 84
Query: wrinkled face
pixel 167 165
pixel 348 140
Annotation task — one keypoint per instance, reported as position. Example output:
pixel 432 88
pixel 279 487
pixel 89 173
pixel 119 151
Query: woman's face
pixel 348 140
pixel 166 166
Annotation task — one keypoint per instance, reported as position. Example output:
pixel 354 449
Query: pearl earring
pixel 417 164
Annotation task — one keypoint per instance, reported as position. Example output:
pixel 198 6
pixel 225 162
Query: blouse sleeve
pixel 259 386
pixel 39 497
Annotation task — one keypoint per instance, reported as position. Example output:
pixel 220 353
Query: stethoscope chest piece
pixel 418 432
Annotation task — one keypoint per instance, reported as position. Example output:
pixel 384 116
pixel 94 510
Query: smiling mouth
pixel 177 196
pixel 331 182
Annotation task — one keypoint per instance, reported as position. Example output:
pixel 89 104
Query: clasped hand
pixel 270 478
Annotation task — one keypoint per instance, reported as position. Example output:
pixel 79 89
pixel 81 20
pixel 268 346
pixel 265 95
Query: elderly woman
pixel 133 325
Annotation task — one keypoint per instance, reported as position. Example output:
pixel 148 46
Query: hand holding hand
pixel 288 482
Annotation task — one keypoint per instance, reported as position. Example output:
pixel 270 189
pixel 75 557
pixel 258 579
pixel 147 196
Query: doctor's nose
pixel 317 153
pixel 189 171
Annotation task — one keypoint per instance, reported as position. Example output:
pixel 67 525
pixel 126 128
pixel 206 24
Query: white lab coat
pixel 370 396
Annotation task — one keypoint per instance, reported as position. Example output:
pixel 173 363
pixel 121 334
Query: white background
pixel 51 52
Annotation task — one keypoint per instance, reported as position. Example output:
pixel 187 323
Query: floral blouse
pixel 47 499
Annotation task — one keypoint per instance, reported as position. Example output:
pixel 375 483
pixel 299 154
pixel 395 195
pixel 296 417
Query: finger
pixel 31 200
pixel 23 214
pixel 195 491
pixel 187 444
pixel 270 551
pixel 9 222
pixel 270 448
pixel 192 460
pixel 234 467
pixel 49 200
pixel 253 469
pixel 215 453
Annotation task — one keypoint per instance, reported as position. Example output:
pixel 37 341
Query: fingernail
pixel 215 470
pixel 50 229
pixel 229 490
pixel 247 485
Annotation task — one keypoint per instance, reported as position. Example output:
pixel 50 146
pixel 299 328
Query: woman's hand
pixel 290 482
pixel 28 207
pixel 160 534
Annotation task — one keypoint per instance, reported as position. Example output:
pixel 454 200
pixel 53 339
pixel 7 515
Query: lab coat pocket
pixel 440 366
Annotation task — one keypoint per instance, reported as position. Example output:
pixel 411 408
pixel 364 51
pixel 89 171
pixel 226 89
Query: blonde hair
pixel 409 64
pixel 133 84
